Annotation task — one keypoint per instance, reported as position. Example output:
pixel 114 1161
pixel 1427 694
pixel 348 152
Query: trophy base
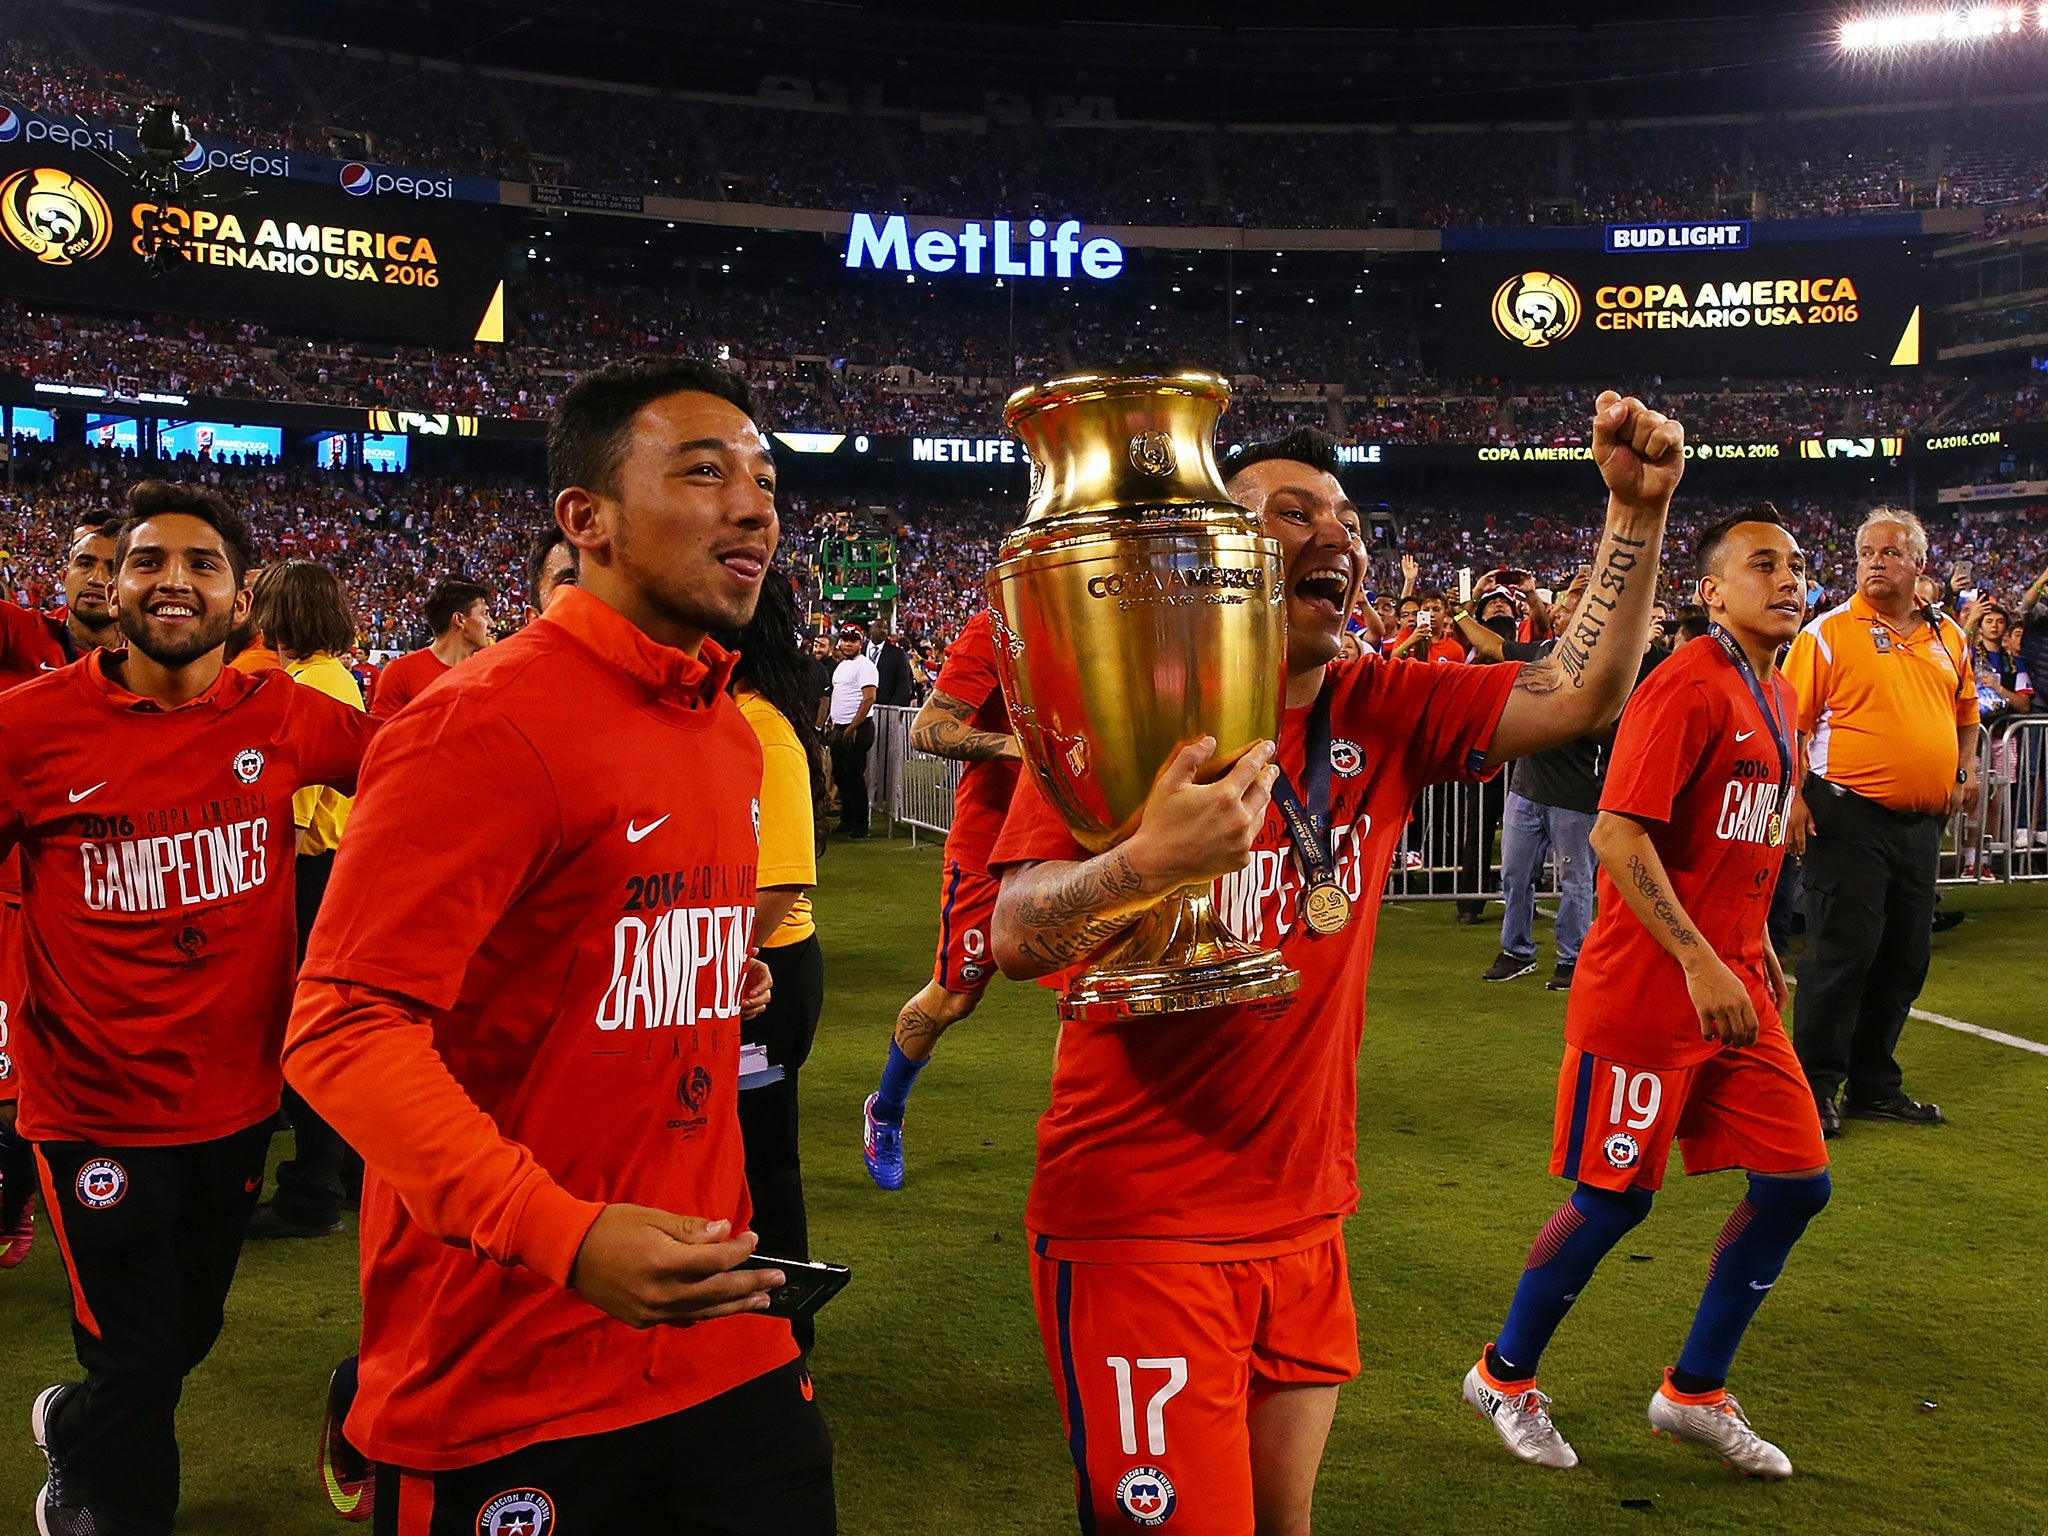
pixel 1177 958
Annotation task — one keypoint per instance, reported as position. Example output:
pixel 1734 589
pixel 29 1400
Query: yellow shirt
pixel 1883 708
pixel 789 853
pixel 319 812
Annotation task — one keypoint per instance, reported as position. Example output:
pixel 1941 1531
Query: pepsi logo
pixel 101 1183
pixel 10 125
pixel 194 159
pixel 356 179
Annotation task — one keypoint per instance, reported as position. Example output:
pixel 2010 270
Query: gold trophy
pixel 1138 609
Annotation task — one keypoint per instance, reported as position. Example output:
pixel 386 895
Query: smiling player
pixel 1194 1170
pixel 149 789
pixel 1673 1029
pixel 535 1044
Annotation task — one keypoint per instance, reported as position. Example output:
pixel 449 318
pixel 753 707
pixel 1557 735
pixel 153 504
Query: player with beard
pixel 149 789
pixel 1194 1170
pixel 1673 1030
pixel 30 645
pixel 533 1037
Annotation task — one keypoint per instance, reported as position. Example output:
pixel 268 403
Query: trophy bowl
pixel 1136 610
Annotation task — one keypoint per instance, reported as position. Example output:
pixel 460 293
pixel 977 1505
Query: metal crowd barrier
pixel 2004 836
pixel 912 788
pixel 1450 848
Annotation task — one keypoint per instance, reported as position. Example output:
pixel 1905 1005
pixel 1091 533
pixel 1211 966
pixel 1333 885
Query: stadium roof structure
pixel 1313 61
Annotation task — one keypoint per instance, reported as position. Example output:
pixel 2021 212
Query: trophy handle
pixel 1176 957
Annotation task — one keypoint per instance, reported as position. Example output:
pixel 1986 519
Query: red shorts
pixel 1156 1367
pixel 1747 1107
pixel 13 992
pixel 967 906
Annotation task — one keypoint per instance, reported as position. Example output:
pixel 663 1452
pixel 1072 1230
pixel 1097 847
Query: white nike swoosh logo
pixel 46 666
pixel 79 794
pixel 1755 1287
pixel 634 834
pixel 1744 735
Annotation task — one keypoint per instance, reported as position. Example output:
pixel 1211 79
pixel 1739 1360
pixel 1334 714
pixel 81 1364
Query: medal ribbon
pixel 1756 692
pixel 1308 827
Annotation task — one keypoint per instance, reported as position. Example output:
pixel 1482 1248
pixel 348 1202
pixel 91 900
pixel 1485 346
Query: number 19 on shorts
pixel 1637 1097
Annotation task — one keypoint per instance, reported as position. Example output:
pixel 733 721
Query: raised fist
pixel 1641 452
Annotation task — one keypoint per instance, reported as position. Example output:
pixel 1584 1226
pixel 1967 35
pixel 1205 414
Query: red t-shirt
pixel 560 948
pixel 157 851
pixel 30 645
pixel 406 679
pixel 1232 1133
pixel 1694 759
pixel 983 797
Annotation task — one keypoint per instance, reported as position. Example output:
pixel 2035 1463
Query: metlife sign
pixel 1714 235
pixel 1038 249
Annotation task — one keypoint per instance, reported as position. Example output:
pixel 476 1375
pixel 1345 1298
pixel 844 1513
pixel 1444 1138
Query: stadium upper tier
pixel 292 94
pixel 879 364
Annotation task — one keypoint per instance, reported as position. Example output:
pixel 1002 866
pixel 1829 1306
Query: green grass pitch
pixel 1922 1283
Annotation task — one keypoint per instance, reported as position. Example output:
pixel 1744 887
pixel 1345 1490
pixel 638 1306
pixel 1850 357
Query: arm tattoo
pixel 1667 913
pixel 1063 919
pixel 953 736
pixel 1587 627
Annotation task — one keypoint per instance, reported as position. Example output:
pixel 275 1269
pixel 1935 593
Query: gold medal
pixel 1327 908
pixel 1774 829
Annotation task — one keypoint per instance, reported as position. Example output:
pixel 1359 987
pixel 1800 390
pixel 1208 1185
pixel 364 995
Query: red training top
pixel 1232 1133
pixel 1694 759
pixel 30 645
pixel 982 799
pixel 521 1002
pixel 405 679
pixel 158 910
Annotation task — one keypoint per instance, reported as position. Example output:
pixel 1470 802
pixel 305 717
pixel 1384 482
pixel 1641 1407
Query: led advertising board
pixel 122 432
pixel 1776 309
pixel 76 228
pixel 38 426
pixel 220 441
pixel 385 453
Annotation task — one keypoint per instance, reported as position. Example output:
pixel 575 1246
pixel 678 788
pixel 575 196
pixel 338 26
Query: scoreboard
pixel 80 228
pixel 1785 309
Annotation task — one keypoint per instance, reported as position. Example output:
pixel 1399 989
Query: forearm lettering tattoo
pixel 1066 917
pixel 1665 909
pixel 954 736
pixel 1621 558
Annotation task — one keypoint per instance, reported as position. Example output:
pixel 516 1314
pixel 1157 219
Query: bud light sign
pixel 1721 235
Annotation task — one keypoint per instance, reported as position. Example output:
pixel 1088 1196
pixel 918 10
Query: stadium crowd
pixel 908 361
pixel 393 536
pixel 474 121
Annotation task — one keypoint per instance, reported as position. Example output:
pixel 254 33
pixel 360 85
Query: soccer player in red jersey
pixel 965 720
pixel 30 645
pixel 522 1005
pixel 1673 1030
pixel 1194 1170
pixel 149 791
pixel 459 617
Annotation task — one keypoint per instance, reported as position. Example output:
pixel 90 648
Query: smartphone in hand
pixel 806 1286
